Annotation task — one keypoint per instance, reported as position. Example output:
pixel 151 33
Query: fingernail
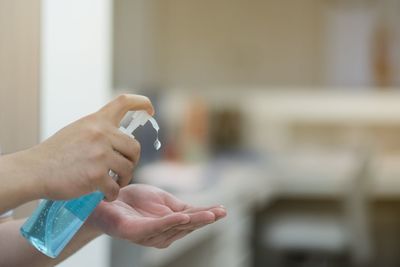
pixel 213 217
pixel 185 220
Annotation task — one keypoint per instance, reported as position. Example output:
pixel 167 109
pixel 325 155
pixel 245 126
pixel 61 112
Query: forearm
pixel 16 251
pixel 18 184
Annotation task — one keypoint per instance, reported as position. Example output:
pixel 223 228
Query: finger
pixel 218 210
pixel 121 166
pixel 160 225
pixel 110 188
pixel 191 210
pixel 126 145
pixel 197 209
pixel 198 219
pixel 117 108
pixel 219 213
pixel 174 203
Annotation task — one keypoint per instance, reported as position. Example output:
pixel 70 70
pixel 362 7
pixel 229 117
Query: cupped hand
pixel 76 160
pixel 151 217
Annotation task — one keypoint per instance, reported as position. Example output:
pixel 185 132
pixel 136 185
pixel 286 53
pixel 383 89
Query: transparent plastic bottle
pixel 53 224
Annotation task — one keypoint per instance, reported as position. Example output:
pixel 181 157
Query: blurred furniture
pixel 292 119
pixel 320 227
pixel 313 135
pixel 305 238
pixel 334 118
pixel 385 206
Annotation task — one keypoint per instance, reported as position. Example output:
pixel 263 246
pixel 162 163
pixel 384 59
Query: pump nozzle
pixel 129 124
pixel 137 118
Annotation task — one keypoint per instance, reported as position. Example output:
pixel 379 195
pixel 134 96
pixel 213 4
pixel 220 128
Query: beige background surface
pixel 19 76
pixel 186 43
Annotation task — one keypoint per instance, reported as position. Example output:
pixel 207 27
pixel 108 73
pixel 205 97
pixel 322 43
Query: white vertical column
pixel 75 79
pixel 75 56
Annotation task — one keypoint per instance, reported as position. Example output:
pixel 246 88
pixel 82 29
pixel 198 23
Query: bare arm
pixel 15 189
pixel 16 251
pixel 142 214
pixel 76 160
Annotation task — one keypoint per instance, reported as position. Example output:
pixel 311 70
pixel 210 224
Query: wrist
pixel 32 182
pixel 17 186
pixel 17 176
pixel 90 230
pixel 91 226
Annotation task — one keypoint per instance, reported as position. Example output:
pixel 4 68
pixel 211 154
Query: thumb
pixel 117 108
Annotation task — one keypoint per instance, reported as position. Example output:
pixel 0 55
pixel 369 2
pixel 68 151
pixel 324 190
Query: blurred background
pixel 287 112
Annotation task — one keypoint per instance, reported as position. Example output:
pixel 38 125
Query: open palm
pixel 149 216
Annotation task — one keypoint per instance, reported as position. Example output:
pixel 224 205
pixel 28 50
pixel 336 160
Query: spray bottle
pixel 53 224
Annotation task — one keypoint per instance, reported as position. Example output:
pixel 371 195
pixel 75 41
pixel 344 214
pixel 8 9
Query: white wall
pixel 76 41
pixel 75 78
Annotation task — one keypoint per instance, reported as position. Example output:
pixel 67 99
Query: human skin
pixel 76 160
pixel 142 214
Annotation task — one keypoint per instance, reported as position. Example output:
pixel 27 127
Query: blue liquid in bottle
pixel 54 223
